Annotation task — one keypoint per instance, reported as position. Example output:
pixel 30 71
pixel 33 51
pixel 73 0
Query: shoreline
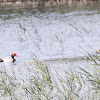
pixel 29 4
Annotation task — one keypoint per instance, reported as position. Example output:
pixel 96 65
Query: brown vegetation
pixel 35 3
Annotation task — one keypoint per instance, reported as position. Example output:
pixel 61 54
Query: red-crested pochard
pixel 98 51
pixel 9 59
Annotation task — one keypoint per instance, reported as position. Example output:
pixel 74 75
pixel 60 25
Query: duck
pixel 98 51
pixel 12 59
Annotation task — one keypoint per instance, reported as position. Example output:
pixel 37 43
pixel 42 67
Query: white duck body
pixel 98 51
pixel 7 59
